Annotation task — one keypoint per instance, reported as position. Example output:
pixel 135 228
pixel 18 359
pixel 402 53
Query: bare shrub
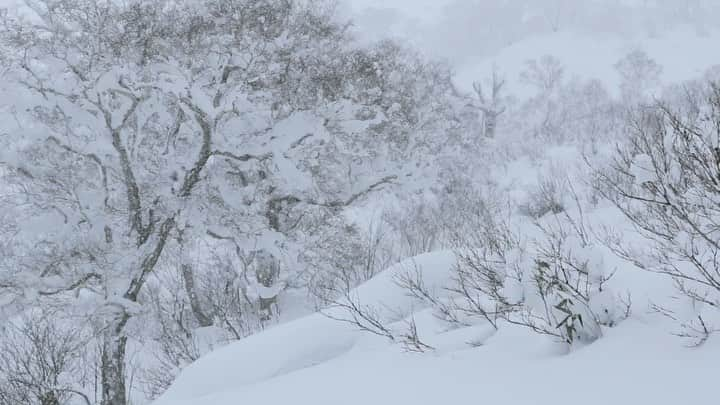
pixel 412 282
pixel 416 228
pixel 349 309
pixel 42 362
pixel 410 339
pixel 639 76
pixel 176 343
pixel 546 198
pixel 221 288
pixel 345 257
pixel 484 265
pixel 568 298
pixel 666 181
pixel 551 279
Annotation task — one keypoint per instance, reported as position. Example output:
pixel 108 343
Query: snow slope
pixel 319 361
pixel 300 344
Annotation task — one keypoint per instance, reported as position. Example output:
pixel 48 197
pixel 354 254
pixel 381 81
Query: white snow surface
pixel 316 360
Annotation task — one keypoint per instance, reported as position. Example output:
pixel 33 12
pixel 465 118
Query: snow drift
pixel 320 361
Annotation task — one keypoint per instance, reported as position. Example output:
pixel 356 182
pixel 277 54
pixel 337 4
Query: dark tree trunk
pixel 49 398
pixel 112 368
pixel 189 281
pixel 490 124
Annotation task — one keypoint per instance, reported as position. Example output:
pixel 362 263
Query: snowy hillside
pixel 320 361
pixel 359 202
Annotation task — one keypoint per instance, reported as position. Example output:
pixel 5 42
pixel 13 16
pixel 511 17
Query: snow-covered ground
pixel 318 360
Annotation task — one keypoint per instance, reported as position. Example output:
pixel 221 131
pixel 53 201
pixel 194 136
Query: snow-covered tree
pixel 147 130
pixel 639 77
pixel 490 105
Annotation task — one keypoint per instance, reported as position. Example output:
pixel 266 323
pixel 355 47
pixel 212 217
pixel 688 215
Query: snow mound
pixel 301 344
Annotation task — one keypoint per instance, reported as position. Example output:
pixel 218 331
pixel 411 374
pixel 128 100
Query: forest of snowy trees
pixel 176 175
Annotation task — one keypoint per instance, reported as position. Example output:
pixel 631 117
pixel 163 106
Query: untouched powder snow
pixel 316 360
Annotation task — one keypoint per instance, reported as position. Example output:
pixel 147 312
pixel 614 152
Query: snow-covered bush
pixel 547 197
pixel 544 114
pixel 548 275
pixel 666 180
pixel 561 109
pixel 594 117
pixel 565 290
pixel 481 276
pixel 639 77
